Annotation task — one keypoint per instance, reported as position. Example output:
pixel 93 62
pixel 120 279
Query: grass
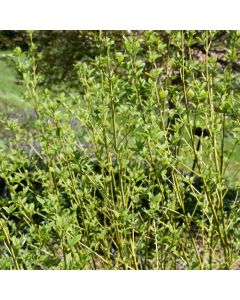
pixel 10 90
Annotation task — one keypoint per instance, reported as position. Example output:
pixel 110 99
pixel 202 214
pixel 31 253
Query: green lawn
pixel 10 90
pixel 11 100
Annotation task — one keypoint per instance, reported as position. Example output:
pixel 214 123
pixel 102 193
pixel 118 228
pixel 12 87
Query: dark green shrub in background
pixel 10 39
pixel 130 167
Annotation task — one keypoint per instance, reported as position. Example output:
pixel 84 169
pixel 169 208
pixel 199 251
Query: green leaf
pixel 68 261
pixel 74 240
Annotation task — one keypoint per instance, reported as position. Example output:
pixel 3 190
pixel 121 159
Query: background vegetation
pixel 119 150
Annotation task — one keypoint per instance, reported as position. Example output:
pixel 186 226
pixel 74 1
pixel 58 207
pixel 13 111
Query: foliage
pixel 130 170
pixel 59 50
pixel 9 39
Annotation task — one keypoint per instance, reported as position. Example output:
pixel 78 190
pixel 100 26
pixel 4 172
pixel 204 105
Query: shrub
pixel 130 170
